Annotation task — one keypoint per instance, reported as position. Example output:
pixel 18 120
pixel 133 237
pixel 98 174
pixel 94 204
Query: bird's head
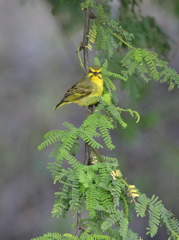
pixel 95 70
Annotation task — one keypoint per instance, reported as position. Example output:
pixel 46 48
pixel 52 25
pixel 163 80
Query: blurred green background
pixel 38 63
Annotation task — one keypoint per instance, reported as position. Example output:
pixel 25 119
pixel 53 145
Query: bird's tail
pixel 59 105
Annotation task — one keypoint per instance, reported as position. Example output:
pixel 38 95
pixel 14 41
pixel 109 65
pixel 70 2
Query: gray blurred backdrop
pixel 38 63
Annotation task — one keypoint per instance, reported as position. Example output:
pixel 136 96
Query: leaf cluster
pixel 64 9
pixel 113 38
pixel 171 5
pixel 68 236
pixel 158 216
pixel 99 188
pixel 116 42
pixel 147 33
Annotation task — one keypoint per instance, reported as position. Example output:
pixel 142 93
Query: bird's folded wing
pixel 78 91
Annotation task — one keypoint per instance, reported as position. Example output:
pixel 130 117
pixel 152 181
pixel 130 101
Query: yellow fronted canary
pixel 84 91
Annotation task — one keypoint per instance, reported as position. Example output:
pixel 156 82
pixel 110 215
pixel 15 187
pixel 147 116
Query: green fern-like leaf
pixel 172 224
pixel 141 205
pixel 86 176
pixel 92 34
pixel 51 138
pixel 57 171
pixel 109 84
pixel 138 55
pixel 61 204
pixel 149 67
pixel 49 236
pixel 91 200
pixel 123 230
pixel 71 159
pixel 154 218
pixel 150 59
pixel 105 198
pixel 89 236
pixel 90 124
pixel 86 4
pixel 97 61
pixel 104 171
pixel 75 202
pixel 104 126
pixel 168 74
pixel 112 220
pixel 115 113
pixel 115 75
pixel 132 236
pixel 86 136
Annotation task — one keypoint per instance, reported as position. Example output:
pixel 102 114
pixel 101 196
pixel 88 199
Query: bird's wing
pixel 79 90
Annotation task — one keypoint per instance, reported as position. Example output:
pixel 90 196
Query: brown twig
pixel 133 6
pixel 83 46
pixel 79 225
pixel 100 157
pixel 85 39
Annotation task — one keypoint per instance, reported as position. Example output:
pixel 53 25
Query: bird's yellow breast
pixel 98 85
pixel 97 91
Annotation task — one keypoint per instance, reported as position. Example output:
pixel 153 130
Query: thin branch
pixel 81 63
pixel 87 154
pixel 83 46
pixel 79 226
pixel 122 40
pixel 86 67
pixel 85 39
pixel 100 157
pixel 133 6
pixel 125 206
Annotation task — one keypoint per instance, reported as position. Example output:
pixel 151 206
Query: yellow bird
pixel 90 86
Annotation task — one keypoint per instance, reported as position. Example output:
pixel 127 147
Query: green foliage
pixel 149 67
pixel 86 4
pixel 104 32
pixel 50 236
pixel 109 36
pixel 137 65
pixel 66 14
pixel 158 216
pixel 99 187
pixel 171 5
pixel 68 236
pixel 147 34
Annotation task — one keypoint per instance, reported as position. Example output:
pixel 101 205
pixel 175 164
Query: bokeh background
pixel 38 63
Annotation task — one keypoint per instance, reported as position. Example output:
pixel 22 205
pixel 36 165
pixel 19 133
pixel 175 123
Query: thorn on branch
pixel 92 13
pixel 81 47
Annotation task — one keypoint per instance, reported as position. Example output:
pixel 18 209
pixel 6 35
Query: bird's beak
pixel 95 73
